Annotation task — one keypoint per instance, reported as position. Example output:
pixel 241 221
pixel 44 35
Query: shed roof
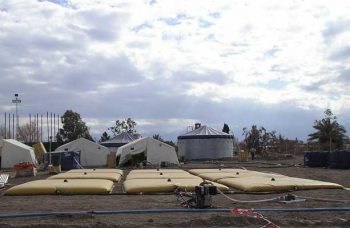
pixel 124 137
pixel 205 132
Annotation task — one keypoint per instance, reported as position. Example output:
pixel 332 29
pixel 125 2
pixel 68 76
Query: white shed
pixel 13 151
pixel 91 154
pixel 155 151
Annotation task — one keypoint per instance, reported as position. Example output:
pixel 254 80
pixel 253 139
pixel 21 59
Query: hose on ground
pixel 322 199
pixel 248 201
pixel 280 198
pixel 161 211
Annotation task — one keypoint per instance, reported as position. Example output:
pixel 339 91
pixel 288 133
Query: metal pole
pixel 37 127
pixel 50 150
pixel 17 101
pixel 54 125
pixel 33 128
pixel 58 125
pixel 51 126
pixel 5 126
pixel 9 125
pixel 47 126
pixel 41 128
pixel 30 127
pixel 13 125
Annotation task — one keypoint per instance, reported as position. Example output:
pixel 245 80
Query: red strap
pixel 251 213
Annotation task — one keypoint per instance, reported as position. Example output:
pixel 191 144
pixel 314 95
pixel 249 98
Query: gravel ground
pixel 291 167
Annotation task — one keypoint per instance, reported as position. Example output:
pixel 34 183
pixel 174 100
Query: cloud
pixel 205 23
pixel 279 69
pixel 272 52
pixel 176 20
pixel 102 24
pixel 335 28
pixel 344 76
pixel 213 76
pixel 142 26
pixel 342 54
pixel 167 65
pixel 64 3
pixel 315 86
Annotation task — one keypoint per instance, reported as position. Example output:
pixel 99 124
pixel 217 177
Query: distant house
pixel 120 140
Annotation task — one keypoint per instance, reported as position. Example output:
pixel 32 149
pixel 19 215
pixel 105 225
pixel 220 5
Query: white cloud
pixel 144 58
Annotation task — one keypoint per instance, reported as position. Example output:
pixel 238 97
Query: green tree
pixel 259 139
pixel 127 125
pixel 226 128
pixel 329 132
pixel 104 137
pixel 73 127
pixel 252 138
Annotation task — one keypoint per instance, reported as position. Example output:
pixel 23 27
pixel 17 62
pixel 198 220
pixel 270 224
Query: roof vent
pixel 197 125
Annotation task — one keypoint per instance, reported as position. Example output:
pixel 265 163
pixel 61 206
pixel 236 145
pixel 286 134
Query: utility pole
pixel 41 128
pixel 47 126
pixel 17 101
pixel 13 126
pixel 54 125
pixel 50 148
pixel 30 127
pixel 5 126
pixel 51 126
pixel 9 126
pixel 37 128
pixel 58 126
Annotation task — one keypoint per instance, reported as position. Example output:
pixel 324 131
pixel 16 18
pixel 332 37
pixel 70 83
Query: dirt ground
pixel 290 167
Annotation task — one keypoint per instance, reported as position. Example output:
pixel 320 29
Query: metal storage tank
pixel 205 143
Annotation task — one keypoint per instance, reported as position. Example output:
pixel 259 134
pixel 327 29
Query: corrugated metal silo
pixel 205 143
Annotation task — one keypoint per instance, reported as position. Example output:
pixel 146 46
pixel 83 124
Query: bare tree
pixel 29 132
pixel 2 132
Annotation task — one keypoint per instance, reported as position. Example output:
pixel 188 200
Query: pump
pixel 202 196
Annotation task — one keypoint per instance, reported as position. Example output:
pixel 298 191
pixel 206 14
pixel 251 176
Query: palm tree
pixel 329 131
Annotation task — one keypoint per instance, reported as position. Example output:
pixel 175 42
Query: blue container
pixel 316 159
pixel 67 159
pixel 339 160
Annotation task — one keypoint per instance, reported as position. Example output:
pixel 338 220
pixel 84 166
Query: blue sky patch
pixel 59 2
pixel 174 21
pixel 215 15
pixel 205 23
pixel 141 27
pixel 152 2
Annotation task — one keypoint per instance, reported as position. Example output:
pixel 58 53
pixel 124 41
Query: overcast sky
pixel 169 64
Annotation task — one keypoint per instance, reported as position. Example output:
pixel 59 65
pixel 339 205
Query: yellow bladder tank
pixel 62 186
pixel 282 183
pixel 96 171
pixel 107 176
